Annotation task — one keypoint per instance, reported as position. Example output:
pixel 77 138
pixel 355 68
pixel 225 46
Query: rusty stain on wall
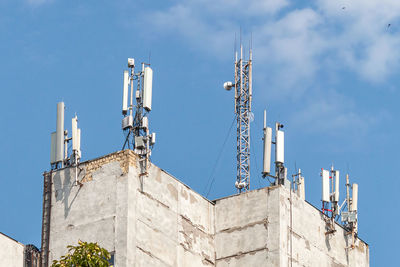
pixel 125 158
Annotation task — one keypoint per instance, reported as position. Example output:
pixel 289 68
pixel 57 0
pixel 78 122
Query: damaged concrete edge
pixel 92 165
pixel 187 187
pixel 267 188
pixel 148 253
pixel 130 152
pixel 195 226
pixel 153 198
pixel 264 222
pixel 241 254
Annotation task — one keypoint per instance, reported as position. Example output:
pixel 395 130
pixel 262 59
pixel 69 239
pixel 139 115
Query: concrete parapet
pixel 156 220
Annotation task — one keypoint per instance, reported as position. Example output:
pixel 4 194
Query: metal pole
pixel 131 77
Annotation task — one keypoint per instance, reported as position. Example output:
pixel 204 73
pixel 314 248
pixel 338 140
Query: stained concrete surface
pixel 156 220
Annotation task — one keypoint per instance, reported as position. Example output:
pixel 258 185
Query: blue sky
pixel 327 70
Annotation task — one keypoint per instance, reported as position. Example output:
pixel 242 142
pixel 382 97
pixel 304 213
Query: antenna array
pixel 59 156
pixel 349 217
pixel 280 170
pixel 330 202
pixel 243 96
pixel 135 123
pixel 330 192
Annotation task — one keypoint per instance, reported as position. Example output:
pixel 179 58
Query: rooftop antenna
pixel 243 97
pixel 135 122
pixel 330 197
pixel 280 170
pixel 59 157
pixel 350 217
pixel 267 142
pixel 76 141
pixel 76 146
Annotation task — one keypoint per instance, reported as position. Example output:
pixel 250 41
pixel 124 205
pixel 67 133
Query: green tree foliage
pixel 84 255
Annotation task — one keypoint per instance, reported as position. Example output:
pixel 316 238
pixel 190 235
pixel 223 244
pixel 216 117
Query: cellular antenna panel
pixel 336 198
pixel 53 147
pixel 60 132
pixel 147 88
pixel 325 186
pixel 125 93
pixel 280 146
pixel 75 133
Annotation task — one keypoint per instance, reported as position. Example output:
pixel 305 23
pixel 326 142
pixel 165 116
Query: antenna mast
pixel 243 95
pixel 135 122
pixel 59 156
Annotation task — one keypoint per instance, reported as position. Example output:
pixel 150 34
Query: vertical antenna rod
pixel 243 92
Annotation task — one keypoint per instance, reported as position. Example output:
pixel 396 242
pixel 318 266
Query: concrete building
pixel 11 251
pixel 16 254
pixel 156 220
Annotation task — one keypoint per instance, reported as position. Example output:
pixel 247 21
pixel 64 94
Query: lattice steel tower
pixel 243 95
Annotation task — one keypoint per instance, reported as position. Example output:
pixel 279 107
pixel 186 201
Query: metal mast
pixel 243 95
pixel 135 123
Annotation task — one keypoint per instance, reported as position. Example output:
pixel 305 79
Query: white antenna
pixel 75 133
pixel 301 187
pixel 147 88
pixel 280 147
pixel 280 170
pixel 354 201
pixel 325 186
pixel 76 141
pixel 53 148
pixel 59 157
pixel 60 133
pixel 76 146
pixel 267 147
pixel 336 193
pixel 125 93
pixel 349 217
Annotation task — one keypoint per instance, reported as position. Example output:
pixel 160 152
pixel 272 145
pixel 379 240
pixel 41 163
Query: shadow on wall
pixel 63 185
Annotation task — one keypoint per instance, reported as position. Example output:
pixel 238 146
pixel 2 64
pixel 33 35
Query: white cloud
pixel 230 8
pixel 296 48
pixel 300 40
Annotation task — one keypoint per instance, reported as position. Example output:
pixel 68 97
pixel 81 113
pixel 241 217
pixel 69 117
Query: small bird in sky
pixel 344 7
pixel 389 25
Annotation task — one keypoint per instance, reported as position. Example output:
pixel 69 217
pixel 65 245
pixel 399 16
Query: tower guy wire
pixel 217 161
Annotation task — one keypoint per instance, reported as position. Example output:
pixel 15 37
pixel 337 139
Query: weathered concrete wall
pixel 11 252
pixel 174 225
pixel 155 220
pixel 96 210
pixel 310 245
pixel 246 228
pixel 254 229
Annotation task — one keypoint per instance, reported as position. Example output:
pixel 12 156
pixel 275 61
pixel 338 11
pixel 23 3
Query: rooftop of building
pixel 128 157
